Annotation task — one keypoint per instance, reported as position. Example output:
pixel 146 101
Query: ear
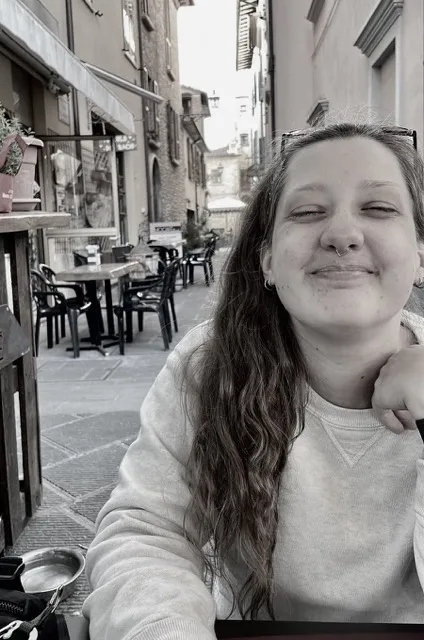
pixel 421 255
pixel 266 259
pixel 420 263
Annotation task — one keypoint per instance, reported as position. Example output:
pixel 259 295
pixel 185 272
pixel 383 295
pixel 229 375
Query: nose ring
pixel 342 254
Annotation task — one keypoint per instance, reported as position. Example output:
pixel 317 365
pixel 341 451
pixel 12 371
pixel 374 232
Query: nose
pixel 342 231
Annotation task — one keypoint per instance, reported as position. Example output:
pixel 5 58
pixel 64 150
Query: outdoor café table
pixel 90 274
pixel 242 630
pixel 19 497
pixel 267 630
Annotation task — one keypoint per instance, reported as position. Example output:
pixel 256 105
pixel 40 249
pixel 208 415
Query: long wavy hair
pixel 245 392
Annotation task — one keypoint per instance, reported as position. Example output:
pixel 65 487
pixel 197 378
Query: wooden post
pixel 10 497
pixel 26 369
pixel 18 374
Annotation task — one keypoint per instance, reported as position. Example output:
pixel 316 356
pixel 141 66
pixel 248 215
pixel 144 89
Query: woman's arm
pixel 419 522
pixel 147 581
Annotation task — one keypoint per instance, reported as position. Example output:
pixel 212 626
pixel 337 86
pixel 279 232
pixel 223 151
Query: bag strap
pixel 7 142
pixel 11 569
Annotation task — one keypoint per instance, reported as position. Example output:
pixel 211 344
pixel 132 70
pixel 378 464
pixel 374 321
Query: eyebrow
pixel 364 184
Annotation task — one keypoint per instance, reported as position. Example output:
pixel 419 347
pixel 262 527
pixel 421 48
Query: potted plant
pixel 21 158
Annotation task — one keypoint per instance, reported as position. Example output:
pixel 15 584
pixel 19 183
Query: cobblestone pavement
pixel 89 416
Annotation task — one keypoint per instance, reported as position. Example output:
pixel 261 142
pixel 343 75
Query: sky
pixel 207 40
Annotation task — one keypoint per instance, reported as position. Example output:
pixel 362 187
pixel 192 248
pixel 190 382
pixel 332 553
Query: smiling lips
pixel 343 268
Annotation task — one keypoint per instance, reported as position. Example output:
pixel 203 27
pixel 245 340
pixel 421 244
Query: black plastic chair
pixel 120 253
pixel 50 275
pixel 173 270
pixel 202 260
pixel 51 303
pixel 137 299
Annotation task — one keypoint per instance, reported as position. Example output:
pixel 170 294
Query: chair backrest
pixel 80 258
pixel 119 253
pixel 39 282
pixel 174 269
pixel 47 272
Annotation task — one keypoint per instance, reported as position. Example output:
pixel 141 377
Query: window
pixel 216 174
pixel 244 139
pixel 128 17
pixel 189 160
pixel 168 41
pixel 145 15
pixel 153 120
pixel 173 135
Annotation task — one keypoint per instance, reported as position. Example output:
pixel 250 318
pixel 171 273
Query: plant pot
pixel 6 192
pixel 24 180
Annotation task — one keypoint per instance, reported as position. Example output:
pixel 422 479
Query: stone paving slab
pixel 53 497
pixel 51 454
pixel 54 527
pixel 86 473
pixel 54 420
pixel 77 370
pixel 90 506
pixel 96 431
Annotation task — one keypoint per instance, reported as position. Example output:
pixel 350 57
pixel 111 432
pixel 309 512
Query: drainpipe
pixel 271 68
pixel 71 47
pixel 150 207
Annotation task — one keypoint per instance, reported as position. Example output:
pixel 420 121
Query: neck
pixel 343 370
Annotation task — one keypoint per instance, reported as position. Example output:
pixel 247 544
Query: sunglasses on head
pixel 396 131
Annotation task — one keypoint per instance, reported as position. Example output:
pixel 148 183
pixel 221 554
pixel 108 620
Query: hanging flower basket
pixel 7 179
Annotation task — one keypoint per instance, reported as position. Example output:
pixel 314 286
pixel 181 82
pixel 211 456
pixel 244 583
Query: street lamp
pixel 214 100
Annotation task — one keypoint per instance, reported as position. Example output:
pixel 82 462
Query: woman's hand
pixel 398 397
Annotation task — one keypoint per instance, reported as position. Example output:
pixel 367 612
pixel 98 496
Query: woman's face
pixel 339 194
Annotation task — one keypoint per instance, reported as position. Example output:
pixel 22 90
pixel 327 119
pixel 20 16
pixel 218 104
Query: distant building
pixel 223 180
pixel 252 54
pixel 195 108
pixel 163 127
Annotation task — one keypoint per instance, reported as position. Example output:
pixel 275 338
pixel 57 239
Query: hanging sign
pixel 126 143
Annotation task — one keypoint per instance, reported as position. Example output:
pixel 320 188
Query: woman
pixel 278 447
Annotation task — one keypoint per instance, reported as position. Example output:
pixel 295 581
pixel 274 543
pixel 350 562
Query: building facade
pixel 163 127
pixel 195 108
pixel 75 72
pixel 252 57
pixel 337 59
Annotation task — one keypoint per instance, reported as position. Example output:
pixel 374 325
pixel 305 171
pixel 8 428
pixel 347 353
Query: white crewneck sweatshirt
pixel 350 543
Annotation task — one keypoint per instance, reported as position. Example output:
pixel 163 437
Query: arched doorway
pixel 156 192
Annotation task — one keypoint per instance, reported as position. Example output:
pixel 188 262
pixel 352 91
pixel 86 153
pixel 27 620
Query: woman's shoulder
pixel 415 323
pixel 194 338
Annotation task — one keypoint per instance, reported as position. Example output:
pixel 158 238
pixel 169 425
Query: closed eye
pixel 309 212
pixel 379 208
